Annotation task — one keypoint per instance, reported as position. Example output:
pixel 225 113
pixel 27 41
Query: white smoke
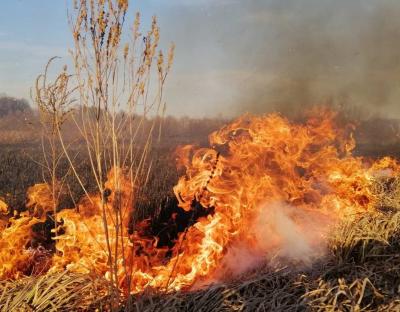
pixel 280 235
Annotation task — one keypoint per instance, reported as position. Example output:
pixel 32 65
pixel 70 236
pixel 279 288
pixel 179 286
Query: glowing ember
pixel 275 186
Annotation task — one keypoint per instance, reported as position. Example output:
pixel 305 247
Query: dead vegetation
pixel 361 272
pixel 56 292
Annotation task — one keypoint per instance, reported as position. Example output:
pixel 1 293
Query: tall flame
pixel 257 169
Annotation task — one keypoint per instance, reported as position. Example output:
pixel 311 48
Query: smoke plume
pixel 260 56
pixel 328 52
pixel 282 235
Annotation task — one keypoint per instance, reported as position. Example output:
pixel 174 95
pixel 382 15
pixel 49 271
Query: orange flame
pixel 3 212
pixel 39 200
pixel 261 174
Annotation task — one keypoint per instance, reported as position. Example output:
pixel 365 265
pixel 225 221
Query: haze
pixel 235 56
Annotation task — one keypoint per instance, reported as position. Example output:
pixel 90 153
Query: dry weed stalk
pixel 118 82
pixel 54 103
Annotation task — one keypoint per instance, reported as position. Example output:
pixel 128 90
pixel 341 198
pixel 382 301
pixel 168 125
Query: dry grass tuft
pixel 54 292
pixel 366 238
pixel 268 291
pixel 363 273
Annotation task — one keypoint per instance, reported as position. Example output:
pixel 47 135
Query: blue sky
pixel 32 31
pixel 234 56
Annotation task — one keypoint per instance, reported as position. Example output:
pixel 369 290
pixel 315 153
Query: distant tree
pixel 10 105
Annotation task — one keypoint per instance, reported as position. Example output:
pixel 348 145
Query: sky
pixel 235 56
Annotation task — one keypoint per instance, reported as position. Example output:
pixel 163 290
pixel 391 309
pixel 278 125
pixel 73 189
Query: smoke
pixel 327 52
pixel 290 234
pixel 280 235
pixel 268 55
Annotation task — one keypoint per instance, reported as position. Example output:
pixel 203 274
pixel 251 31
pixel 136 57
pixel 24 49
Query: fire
pixel 3 211
pixel 39 200
pixel 266 180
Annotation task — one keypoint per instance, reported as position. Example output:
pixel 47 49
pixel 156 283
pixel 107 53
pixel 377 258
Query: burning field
pixel 127 208
pixel 273 214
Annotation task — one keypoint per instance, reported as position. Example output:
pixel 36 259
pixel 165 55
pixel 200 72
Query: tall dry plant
pixel 118 80
pixel 54 106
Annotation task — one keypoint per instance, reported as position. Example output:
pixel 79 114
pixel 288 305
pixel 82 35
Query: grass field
pixel 358 273
pixel 107 203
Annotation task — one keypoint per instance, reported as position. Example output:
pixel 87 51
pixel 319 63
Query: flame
pixel 261 175
pixel 3 211
pixel 3 207
pixel 39 200
pixel 14 254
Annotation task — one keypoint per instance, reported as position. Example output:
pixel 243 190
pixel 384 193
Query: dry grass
pixel 363 272
pixel 360 273
pixel 54 292
pixel 277 290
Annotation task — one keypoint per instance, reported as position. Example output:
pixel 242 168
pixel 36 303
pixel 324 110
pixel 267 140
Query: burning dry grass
pixel 307 178
pixel 275 191
pixel 361 272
